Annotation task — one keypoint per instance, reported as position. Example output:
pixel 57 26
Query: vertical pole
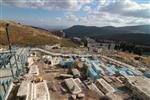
pixel 9 48
pixel 8 37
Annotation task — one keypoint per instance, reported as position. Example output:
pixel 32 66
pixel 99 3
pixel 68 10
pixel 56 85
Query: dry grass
pixel 131 57
pixel 24 35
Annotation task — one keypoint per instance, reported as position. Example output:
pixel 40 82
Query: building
pixel 94 46
pixel 139 86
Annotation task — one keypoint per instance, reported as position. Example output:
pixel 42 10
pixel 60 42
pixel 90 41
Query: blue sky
pixel 77 12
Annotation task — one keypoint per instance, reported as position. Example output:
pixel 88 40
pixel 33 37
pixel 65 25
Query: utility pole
pixel 9 49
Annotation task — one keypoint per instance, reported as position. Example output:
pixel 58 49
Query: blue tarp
pixel 95 66
pixel 124 70
pixel 92 74
pixel 130 73
pixel 67 64
pixel 111 69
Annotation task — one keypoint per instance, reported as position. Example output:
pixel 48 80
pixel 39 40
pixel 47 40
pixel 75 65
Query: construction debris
pixel 76 73
pixel 80 95
pixel 34 70
pixel 23 90
pixel 65 76
pixel 78 76
pixel 104 86
pixel 72 86
pixel 73 97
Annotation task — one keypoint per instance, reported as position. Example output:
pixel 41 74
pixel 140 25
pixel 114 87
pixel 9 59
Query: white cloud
pixel 127 8
pixel 58 18
pixel 103 2
pixel 87 9
pixel 72 5
pixel 118 13
pixel 106 19
pixel 106 12
pixel 83 19
pixel 71 17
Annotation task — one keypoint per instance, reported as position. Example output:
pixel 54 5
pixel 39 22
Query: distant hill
pixel 137 29
pixel 136 34
pixel 24 35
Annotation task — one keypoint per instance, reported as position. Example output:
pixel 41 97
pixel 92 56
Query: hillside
pixel 136 34
pixel 24 35
pixel 137 29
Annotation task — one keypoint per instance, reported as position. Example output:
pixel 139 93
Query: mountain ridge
pixel 107 29
pixel 128 33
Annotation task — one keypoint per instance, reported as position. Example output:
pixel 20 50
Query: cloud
pixel 71 17
pixel 73 5
pixel 126 8
pixel 97 18
pixel 87 9
pixel 91 12
pixel 117 13
pixel 58 18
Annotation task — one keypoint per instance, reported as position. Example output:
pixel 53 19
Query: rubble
pixel 80 95
pixel 57 76
pixel 72 86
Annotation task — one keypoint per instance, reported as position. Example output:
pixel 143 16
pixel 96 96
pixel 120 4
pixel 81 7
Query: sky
pixel 77 12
